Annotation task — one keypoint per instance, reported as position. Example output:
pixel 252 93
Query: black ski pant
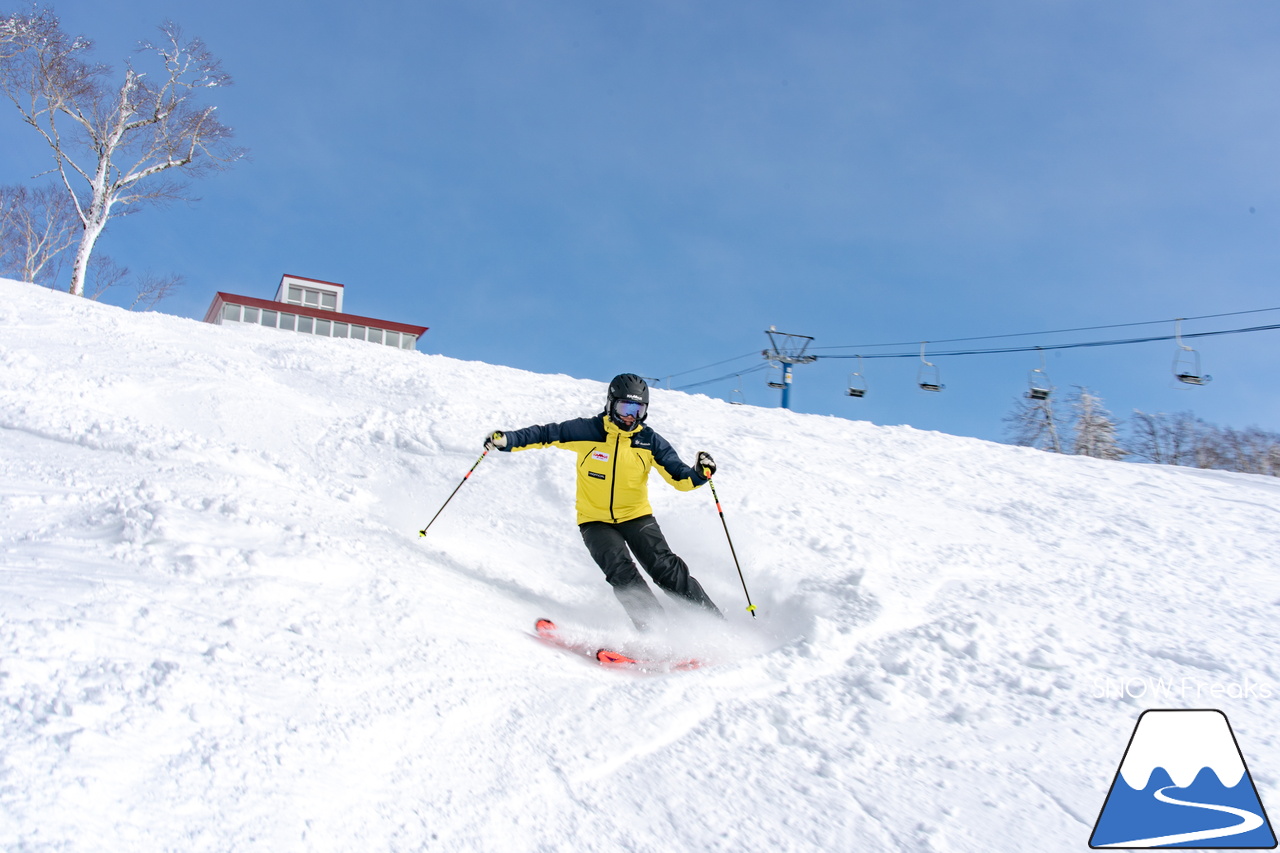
pixel 608 544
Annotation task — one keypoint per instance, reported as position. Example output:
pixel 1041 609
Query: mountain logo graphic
pixel 1183 783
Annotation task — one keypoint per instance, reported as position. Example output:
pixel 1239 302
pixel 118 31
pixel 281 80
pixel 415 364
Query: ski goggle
pixel 628 409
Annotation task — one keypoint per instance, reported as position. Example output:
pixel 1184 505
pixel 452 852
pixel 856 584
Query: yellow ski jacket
pixel 613 464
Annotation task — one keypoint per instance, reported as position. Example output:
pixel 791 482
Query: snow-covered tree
pixel 1094 430
pixel 115 147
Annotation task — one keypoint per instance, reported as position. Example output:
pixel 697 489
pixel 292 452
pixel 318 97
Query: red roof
pixel 305 311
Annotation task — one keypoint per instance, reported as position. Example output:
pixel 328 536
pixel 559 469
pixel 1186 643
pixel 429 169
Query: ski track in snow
pixel 221 630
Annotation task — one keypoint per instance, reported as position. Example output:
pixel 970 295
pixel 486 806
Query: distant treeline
pixel 1184 439
pixel 1088 429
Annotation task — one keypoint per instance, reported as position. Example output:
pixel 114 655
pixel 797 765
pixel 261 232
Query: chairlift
pixel 928 376
pixel 1186 361
pixel 1039 386
pixel 857 383
pixel 737 398
pixel 776 383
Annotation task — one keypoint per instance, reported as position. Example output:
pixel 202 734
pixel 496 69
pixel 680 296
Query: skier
pixel 615 452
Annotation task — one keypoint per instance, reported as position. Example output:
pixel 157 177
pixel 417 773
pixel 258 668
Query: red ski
pixel 550 634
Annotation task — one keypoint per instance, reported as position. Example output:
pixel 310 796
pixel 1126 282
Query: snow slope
pixel 221 631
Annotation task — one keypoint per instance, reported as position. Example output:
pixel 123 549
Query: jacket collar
pixel 610 428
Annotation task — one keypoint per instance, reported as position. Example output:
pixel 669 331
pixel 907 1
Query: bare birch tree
pixel 1249 451
pixel 116 148
pixel 19 31
pixel 36 227
pixel 1171 439
pixel 1032 423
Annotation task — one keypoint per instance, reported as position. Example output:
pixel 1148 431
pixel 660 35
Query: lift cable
pixel 1110 343
pixel 1051 332
pixel 765 366
pixel 755 353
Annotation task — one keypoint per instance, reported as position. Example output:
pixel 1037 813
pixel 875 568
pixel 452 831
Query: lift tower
pixel 787 349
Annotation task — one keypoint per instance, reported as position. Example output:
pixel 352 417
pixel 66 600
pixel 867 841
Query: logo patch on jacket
pixel 596 475
pixel 599 457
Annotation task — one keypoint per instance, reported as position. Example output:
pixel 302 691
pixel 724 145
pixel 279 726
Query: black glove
pixel 706 466
pixel 495 440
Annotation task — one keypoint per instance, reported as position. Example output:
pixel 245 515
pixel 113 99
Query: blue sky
pixel 596 187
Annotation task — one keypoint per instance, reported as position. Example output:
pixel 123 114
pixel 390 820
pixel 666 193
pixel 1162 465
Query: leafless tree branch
pixel 36 227
pixel 153 288
pixel 104 274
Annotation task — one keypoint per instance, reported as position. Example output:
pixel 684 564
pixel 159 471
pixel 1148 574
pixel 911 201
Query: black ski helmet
pixel 629 388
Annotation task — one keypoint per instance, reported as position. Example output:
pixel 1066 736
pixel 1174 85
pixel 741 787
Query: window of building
pixel 312 298
pixel 315 325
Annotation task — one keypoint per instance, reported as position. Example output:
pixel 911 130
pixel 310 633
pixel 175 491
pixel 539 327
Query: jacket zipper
pixel 613 481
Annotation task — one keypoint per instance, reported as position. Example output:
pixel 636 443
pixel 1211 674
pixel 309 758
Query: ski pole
pixel 751 608
pixel 423 531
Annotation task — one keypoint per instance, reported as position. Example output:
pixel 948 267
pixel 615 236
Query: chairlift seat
pixel 857 384
pixel 1186 361
pixel 777 385
pixel 928 377
pixel 1038 394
